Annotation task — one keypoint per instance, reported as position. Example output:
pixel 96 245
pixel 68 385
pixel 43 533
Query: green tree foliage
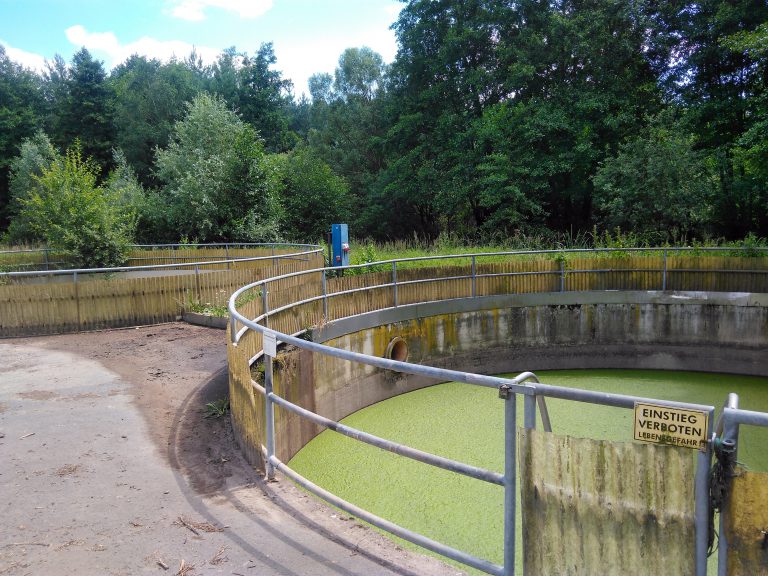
pixel 86 112
pixel 656 182
pixel 349 123
pixel 495 117
pixel 446 73
pixel 260 94
pixel 36 154
pixel 149 99
pixel 313 196
pixel 359 73
pixel 218 182
pixel 717 71
pixel 70 212
pixel 20 110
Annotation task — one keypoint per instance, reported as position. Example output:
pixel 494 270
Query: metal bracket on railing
pixel 505 391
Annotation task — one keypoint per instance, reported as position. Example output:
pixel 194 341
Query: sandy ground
pixel 108 466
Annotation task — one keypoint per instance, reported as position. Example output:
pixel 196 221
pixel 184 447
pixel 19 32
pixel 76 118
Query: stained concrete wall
pixel 723 332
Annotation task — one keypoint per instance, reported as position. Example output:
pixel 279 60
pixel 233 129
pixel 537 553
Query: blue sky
pixel 308 35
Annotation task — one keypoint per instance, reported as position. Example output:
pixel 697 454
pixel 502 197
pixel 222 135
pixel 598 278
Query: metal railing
pixel 727 436
pixel 525 384
pixel 49 264
pixel 190 263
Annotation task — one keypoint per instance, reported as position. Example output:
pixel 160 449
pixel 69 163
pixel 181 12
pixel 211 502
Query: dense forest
pixel 496 118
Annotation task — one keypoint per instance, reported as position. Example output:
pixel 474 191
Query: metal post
pixel 474 277
pixel 701 510
pixel 45 256
pixel 664 276
pixel 77 299
pixel 226 256
pixel 274 260
pixel 562 275
pixel 529 411
pixel 325 298
pixel 510 479
pixel 197 283
pixel 394 281
pixel 270 415
pixel 730 432
pixel 265 304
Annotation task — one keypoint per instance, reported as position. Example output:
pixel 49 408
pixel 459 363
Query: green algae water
pixel 465 423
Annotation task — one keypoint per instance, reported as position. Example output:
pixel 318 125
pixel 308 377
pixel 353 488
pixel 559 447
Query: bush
pixel 69 211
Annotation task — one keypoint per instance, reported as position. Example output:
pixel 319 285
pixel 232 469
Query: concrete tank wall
pixel 640 330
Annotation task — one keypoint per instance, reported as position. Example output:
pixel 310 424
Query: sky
pixel 308 35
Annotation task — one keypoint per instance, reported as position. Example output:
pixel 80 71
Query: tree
pixel 657 182
pixel 20 115
pixel 313 197
pixel 149 99
pixel 715 70
pixel 359 73
pixel 348 124
pixel 264 99
pixel 86 112
pixel 36 154
pixel 72 213
pixel 218 181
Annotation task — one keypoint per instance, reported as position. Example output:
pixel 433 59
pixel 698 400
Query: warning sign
pixel 665 425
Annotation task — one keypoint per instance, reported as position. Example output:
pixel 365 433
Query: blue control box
pixel 339 245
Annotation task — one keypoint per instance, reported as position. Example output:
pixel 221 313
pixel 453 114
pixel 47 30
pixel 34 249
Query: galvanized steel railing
pixel 303 252
pixel 727 434
pixel 525 384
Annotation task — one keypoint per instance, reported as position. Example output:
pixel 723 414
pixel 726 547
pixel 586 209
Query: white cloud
pixel 106 44
pixel 194 10
pixel 26 59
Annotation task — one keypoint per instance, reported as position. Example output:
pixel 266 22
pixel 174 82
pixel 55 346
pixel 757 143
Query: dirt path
pixel 107 466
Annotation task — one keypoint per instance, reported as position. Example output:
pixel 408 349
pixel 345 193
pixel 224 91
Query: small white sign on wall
pixel 270 343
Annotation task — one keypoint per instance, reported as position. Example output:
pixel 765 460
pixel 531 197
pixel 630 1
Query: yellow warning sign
pixel 665 425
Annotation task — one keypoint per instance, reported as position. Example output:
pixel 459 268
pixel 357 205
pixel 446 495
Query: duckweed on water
pixel 466 423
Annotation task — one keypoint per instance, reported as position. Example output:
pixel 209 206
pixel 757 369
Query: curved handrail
pixel 199 264
pixel 533 393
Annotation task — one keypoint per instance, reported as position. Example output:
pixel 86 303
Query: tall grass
pixel 365 251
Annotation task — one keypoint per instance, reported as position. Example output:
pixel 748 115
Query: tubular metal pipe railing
pixel 213 261
pixel 534 394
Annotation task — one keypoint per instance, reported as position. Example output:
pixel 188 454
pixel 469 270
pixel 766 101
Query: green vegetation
pixel 465 423
pixel 65 207
pixel 368 251
pixel 217 408
pixel 497 120
pixel 218 306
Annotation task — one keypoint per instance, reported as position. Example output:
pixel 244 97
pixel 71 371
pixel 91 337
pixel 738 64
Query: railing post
pixel 77 299
pixel 474 277
pixel 701 507
pixel 45 257
pixel 265 304
pixel 730 432
pixel 226 256
pixel 394 281
pixel 270 415
pixel 197 284
pixel 325 297
pixel 664 275
pixel 274 260
pixel 562 275
pixel 510 479
pixel 529 412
